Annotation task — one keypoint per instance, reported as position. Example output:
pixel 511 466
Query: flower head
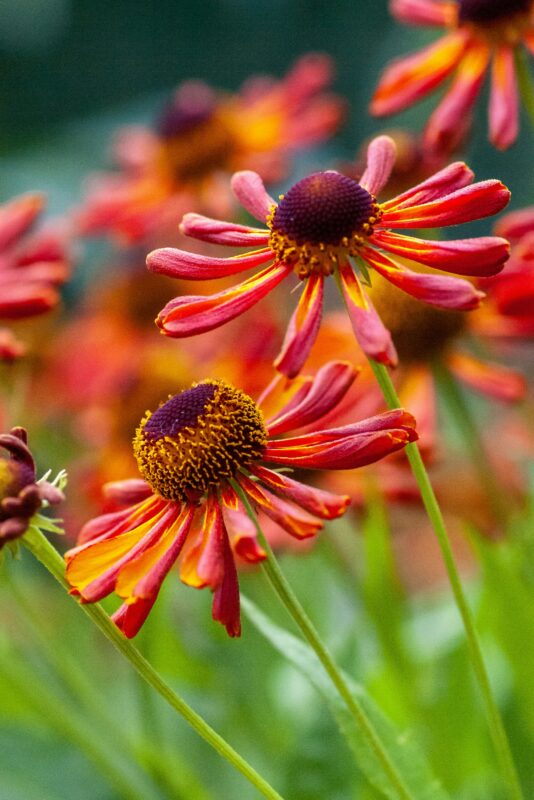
pixel 21 495
pixel 481 36
pixel 191 451
pixel 329 224
pixel 202 134
pixel 32 267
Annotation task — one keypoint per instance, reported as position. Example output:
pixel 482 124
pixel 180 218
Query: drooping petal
pixel 449 179
pixel 482 256
pixel 504 99
pixel 464 205
pixel 320 396
pixel 127 492
pixel 107 526
pixel 345 452
pixel 216 232
pixel 424 12
pixel 129 618
pixel 191 266
pixel 488 378
pixel 371 334
pixel 407 80
pixel 441 291
pixel 303 328
pixel 396 418
pixel 249 189
pixel 516 224
pixel 17 216
pixel 214 565
pixel 92 570
pixel 143 575
pixel 318 502
pixel 19 299
pixel 188 316
pixel 292 519
pixel 381 155
pixel 441 131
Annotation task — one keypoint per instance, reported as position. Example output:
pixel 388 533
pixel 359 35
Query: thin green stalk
pixel 465 421
pixel 167 767
pixel 41 548
pixel 525 83
pixel 434 513
pixel 292 604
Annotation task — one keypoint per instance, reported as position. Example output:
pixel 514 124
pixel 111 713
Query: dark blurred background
pixel 72 71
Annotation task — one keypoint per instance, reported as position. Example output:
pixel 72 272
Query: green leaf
pixel 405 753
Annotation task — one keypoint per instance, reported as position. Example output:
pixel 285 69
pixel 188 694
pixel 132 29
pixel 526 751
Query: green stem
pixel 290 601
pixel 434 513
pixel 41 548
pixel 465 421
pixel 524 79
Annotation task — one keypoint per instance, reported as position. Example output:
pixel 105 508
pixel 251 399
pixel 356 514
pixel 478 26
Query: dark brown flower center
pixel 485 12
pixel 321 218
pixel 420 332
pixel 324 207
pixel 198 438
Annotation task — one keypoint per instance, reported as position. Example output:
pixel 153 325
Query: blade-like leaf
pixel 408 759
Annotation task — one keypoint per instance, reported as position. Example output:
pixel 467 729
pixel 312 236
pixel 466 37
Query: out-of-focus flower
pixel 189 451
pixel 329 224
pixel 21 495
pixel 482 36
pixel 32 267
pixel 510 312
pixel 201 136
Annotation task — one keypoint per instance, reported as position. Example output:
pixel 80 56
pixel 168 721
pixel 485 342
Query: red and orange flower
pixel 201 136
pixel 191 452
pixel 482 36
pixel 32 267
pixel 329 224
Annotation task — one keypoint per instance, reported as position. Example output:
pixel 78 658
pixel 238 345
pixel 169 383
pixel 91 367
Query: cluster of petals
pixel 32 267
pixel 130 551
pixel 510 310
pixel 202 135
pixel 481 38
pixel 21 496
pixel 448 197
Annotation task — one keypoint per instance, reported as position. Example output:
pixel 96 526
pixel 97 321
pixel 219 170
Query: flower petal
pixel 129 618
pixel 194 267
pixel 318 502
pixel 371 334
pixel 188 316
pixel 464 205
pixel 329 386
pixel 447 180
pixel 406 80
pixel 381 155
pixel 291 518
pixel 442 291
pixel 441 131
pixel 423 12
pixel 481 256
pixel 516 224
pixel 249 189
pixel 504 99
pixel 216 232
pixel 488 378
pixel 303 328
pixel 17 216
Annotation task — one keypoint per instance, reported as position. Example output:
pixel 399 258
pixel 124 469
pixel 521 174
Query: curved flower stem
pixel 290 601
pixel 41 548
pixel 524 78
pixel 434 514
pixel 466 423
